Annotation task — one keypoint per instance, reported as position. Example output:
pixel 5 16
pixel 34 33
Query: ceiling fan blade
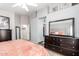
pixel 25 7
pixel 32 4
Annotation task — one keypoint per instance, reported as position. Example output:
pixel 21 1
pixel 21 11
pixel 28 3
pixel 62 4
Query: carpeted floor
pixel 52 53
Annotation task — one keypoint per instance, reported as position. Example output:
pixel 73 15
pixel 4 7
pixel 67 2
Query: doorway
pixel 42 29
pixel 18 34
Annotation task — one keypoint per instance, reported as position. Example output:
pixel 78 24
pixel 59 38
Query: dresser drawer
pixel 68 46
pixel 68 52
pixel 52 41
pixel 47 46
pixel 49 41
pixel 52 47
pixel 56 48
pixel 56 41
pixel 67 41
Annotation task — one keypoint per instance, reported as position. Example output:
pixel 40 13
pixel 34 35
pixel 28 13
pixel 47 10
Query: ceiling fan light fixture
pixel 24 5
pixel 17 4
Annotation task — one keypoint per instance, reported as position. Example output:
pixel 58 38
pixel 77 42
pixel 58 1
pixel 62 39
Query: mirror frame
pixel 73 24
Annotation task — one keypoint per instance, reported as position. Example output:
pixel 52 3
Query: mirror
pixel 62 27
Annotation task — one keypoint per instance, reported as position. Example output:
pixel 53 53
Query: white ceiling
pixel 19 10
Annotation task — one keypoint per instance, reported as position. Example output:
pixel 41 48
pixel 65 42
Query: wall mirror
pixel 63 27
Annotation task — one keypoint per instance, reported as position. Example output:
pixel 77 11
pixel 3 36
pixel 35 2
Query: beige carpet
pixel 52 53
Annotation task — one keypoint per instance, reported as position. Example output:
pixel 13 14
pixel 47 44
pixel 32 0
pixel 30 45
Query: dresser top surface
pixel 62 36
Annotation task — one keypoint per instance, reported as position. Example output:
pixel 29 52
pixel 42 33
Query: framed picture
pixel 66 5
pixel 55 8
pixel 4 22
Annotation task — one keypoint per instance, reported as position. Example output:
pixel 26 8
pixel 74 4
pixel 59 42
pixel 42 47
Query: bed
pixel 21 48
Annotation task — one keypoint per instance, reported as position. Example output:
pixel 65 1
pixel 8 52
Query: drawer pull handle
pixel 60 40
pixel 53 39
pixel 53 48
pixel 73 42
pixel 60 50
pixel 73 54
pixel 61 44
pixel 73 46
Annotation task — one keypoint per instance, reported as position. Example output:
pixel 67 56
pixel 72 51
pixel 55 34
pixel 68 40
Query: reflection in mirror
pixel 62 27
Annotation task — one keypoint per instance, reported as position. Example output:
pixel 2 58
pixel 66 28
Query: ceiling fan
pixel 24 4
